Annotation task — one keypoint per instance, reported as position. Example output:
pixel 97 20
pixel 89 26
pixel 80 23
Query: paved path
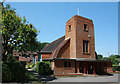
pixel 109 79
pixel 113 78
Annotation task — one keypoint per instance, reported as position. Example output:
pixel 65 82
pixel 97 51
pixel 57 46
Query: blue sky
pixel 50 18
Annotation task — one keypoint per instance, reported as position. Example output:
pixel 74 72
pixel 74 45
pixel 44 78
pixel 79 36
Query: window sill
pixel 85 30
pixel 86 53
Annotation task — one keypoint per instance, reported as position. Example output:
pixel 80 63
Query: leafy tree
pixel 42 45
pixel 16 32
pixel 100 57
pixel 106 58
pixel 113 59
pixel 38 46
pixel 117 56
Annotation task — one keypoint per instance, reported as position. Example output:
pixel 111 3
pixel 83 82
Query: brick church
pixel 75 52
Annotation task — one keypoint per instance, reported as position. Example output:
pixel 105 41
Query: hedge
pixel 13 72
pixel 44 68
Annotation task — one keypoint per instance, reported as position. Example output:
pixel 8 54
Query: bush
pixel 6 74
pixel 44 68
pixel 13 71
pixel 33 65
pixel 116 68
pixel 30 77
pixel 30 65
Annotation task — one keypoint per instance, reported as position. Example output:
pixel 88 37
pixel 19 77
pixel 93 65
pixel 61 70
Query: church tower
pixel 80 30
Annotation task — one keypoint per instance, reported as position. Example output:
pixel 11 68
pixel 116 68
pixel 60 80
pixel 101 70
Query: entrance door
pixel 90 67
pixel 34 59
pixel 81 67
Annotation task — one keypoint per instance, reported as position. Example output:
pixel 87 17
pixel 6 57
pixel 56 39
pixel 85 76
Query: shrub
pixel 30 65
pixel 29 77
pixel 37 68
pixel 44 68
pixel 33 65
pixel 116 68
pixel 6 74
pixel 13 71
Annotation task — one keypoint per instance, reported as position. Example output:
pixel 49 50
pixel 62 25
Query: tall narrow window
pixel 65 64
pixel 86 27
pixel 85 46
pixel 69 64
pixel 69 28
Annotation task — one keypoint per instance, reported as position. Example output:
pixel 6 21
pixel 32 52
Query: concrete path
pixel 49 79
pixel 113 78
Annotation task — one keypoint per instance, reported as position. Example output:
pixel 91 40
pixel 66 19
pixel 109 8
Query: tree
pixel 16 32
pixel 42 45
pixel 117 56
pixel 37 47
pixel 113 59
pixel 106 58
pixel 100 57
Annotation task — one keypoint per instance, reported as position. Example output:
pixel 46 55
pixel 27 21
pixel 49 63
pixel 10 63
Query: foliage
pixel 113 59
pixel 29 65
pixel 117 56
pixel 32 65
pixel 14 73
pixel 116 68
pixel 44 68
pixel 100 57
pixel 38 46
pixel 16 33
pixel 30 77
pixel 37 70
pixel 6 74
pixel 106 58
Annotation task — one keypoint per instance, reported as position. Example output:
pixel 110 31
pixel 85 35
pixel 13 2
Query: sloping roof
pixel 56 51
pixel 22 58
pixel 16 53
pixel 53 45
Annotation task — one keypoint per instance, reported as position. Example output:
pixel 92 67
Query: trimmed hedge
pixel 116 68
pixel 44 68
pixel 13 72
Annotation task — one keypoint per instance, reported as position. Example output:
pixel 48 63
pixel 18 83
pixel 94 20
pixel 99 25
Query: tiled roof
pixel 22 58
pixel 56 51
pixel 53 45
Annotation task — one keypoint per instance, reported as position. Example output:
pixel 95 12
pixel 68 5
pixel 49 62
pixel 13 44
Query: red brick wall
pixel 64 51
pixel 77 35
pixel 60 69
pixel 24 58
pixel 46 55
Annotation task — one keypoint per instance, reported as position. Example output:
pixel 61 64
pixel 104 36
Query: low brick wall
pixel 60 69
